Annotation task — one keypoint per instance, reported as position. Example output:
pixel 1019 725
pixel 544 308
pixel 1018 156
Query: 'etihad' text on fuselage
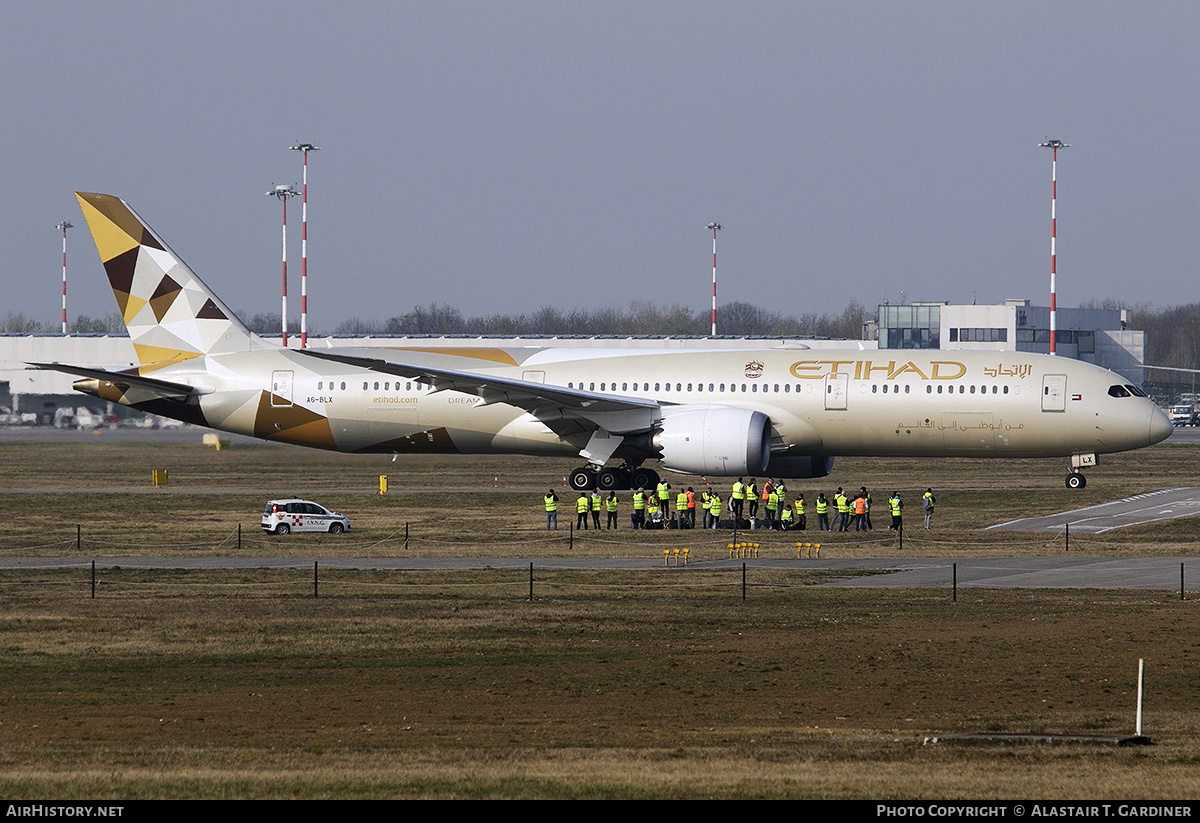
pixel 863 369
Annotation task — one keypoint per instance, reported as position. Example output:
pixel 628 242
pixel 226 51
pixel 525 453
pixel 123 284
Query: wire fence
pixel 408 540
pixel 520 581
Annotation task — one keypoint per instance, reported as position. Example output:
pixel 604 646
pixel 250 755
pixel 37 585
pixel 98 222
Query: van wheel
pixel 335 528
pixel 282 528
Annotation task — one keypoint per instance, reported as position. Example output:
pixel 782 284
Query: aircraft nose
pixel 1160 425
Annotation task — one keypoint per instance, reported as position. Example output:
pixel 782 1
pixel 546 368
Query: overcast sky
pixel 501 156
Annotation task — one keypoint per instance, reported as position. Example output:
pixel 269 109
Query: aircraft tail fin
pixel 172 316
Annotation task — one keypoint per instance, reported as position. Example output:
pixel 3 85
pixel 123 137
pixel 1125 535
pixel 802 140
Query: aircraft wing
pixel 123 381
pixel 612 413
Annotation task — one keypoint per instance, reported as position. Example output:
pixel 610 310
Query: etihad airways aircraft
pixel 777 412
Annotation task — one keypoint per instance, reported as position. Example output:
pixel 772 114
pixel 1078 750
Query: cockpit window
pixel 1135 391
pixel 1117 391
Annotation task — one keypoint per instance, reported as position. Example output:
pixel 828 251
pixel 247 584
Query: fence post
pixel 315 578
pixel 93 579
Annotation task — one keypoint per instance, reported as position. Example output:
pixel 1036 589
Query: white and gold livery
pixel 783 412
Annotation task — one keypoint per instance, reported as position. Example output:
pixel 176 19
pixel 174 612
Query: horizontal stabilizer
pixel 126 380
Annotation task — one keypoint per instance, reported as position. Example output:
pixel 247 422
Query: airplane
pixel 774 412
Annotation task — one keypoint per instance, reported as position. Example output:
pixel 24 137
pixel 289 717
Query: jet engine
pixel 712 439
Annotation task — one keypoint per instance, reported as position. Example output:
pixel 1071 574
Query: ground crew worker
pixel 772 506
pixel 681 501
pixel 801 509
pixel 766 492
pixel 551 500
pixel 843 509
pixel 867 496
pixel 597 501
pixel 927 501
pixel 639 509
pixel 714 509
pixel 653 514
pixel 739 497
pixel 664 493
pixel 611 505
pixel 896 505
pixel 752 496
pixel 822 513
pixel 581 511
pixel 785 518
pixel 704 505
pixel 691 507
pixel 860 513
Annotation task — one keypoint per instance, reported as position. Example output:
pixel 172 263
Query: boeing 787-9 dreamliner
pixel 779 412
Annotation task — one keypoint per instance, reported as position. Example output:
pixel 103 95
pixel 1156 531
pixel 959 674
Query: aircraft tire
pixel 582 479
pixel 1075 480
pixel 282 529
pixel 612 479
pixel 643 479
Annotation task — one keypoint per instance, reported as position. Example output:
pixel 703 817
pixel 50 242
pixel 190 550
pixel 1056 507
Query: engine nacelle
pixel 711 439
pixel 799 467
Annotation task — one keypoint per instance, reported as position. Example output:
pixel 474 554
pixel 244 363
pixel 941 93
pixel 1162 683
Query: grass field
pixel 655 684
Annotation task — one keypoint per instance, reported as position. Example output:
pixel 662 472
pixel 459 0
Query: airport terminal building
pixel 1095 336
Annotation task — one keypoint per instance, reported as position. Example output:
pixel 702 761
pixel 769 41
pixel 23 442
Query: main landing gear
pixel 623 477
pixel 1076 480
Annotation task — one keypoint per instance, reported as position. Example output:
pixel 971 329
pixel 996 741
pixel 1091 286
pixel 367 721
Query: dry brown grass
pixel 453 507
pixel 660 683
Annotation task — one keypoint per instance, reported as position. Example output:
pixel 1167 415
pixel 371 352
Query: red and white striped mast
pixel 283 193
pixel 715 227
pixel 305 148
pixel 63 226
pixel 1054 145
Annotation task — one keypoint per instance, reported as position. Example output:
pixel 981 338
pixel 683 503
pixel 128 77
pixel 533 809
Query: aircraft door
pixel 281 389
pixel 836 388
pixel 1054 392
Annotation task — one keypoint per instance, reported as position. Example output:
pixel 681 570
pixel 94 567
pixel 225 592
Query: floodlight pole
pixel 1054 146
pixel 305 148
pixel 63 226
pixel 715 227
pixel 283 193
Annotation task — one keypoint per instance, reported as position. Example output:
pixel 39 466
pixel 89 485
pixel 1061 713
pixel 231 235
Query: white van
pixel 295 515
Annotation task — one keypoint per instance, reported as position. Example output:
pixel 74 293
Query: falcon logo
pixel 754 369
